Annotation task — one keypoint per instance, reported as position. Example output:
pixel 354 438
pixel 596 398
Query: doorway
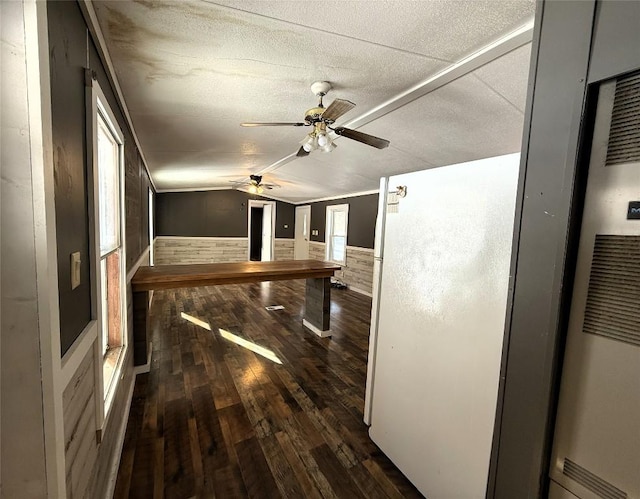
pixel 303 224
pixel 262 225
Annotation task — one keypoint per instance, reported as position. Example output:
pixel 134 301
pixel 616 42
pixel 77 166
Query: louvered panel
pixel 624 134
pixel 613 297
pixel 591 481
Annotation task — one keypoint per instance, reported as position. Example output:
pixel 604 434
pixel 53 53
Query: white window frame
pixel 99 105
pixel 328 233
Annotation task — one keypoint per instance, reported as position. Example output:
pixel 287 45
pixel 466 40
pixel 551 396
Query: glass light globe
pixel 322 140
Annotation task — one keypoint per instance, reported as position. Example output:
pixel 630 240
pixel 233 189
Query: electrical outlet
pixel 75 269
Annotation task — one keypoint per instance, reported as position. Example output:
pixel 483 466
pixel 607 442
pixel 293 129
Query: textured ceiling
pixel 191 72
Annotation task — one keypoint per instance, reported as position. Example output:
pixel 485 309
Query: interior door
pixel 267 233
pixel 303 224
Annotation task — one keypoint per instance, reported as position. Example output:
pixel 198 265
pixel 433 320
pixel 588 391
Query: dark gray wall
pixel 362 219
pixel 214 214
pixel 615 39
pixel 67 45
pixel 69 53
pixel 553 169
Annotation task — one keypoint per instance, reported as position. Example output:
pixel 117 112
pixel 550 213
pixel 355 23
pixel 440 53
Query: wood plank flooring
pixel 215 419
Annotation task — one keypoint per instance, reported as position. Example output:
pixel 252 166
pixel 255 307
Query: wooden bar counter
pixel 318 290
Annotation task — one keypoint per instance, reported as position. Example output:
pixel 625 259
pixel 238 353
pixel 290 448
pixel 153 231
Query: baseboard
pixel 360 291
pixel 117 454
pixel 311 327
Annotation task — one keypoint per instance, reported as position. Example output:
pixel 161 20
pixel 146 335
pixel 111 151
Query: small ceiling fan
pixel 322 119
pixel 255 185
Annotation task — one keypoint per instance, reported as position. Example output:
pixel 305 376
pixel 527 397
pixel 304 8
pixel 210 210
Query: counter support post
pixel 318 306
pixel 141 335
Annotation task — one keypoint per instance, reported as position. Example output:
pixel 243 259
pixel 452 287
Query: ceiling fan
pixel 322 119
pixel 255 185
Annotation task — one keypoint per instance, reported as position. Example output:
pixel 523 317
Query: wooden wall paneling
pixel 132 205
pixel 284 249
pixel 81 449
pixel 186 250
pixel 357 274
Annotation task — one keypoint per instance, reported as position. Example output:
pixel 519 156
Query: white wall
pixel 27 397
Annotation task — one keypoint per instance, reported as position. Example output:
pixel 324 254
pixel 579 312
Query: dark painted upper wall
pixel 214 214
pixel 67 48
pixel 69 54
pixel 362 219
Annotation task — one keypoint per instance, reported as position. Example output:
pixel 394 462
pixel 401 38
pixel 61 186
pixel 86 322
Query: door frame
pixel 295 230
pixel 255 203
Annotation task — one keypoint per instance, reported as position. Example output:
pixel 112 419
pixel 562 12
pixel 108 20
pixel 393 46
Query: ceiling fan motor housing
pixel 314 114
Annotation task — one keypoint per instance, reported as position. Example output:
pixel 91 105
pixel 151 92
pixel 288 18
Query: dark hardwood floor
pixel 215 419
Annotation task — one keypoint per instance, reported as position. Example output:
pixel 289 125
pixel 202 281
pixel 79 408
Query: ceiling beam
pixel 494 50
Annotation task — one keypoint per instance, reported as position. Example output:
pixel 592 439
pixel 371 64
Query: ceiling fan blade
pixel 365 138
pixel 302 153
pixel 336 109
pixel 272 124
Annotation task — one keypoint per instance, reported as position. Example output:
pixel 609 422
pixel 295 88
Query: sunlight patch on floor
pixel 265 352
pixel 197 322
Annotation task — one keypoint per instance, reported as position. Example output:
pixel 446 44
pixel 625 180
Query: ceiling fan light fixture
pixel 310 142
pixel 323 140
pixel 253 189
pixel 330 146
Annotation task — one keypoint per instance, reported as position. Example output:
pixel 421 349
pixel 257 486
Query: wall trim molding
pixel 78 351
pixel 292 239
pixel 122 429
pixel 360 248
pixel 138 264
pixel 203 238
pixel 352 248
pixel 341 196
pixel 194 189
pixel 207 189
pixel 360 291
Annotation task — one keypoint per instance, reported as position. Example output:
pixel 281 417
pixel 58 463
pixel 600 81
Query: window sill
pixel 110 367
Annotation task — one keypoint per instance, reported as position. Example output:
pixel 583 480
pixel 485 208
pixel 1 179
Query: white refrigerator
pixel 442 258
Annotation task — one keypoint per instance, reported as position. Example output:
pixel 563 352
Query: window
pixel 336 233
pixel 108 171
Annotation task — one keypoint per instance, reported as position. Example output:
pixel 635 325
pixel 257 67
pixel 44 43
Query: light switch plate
pixel 75 269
